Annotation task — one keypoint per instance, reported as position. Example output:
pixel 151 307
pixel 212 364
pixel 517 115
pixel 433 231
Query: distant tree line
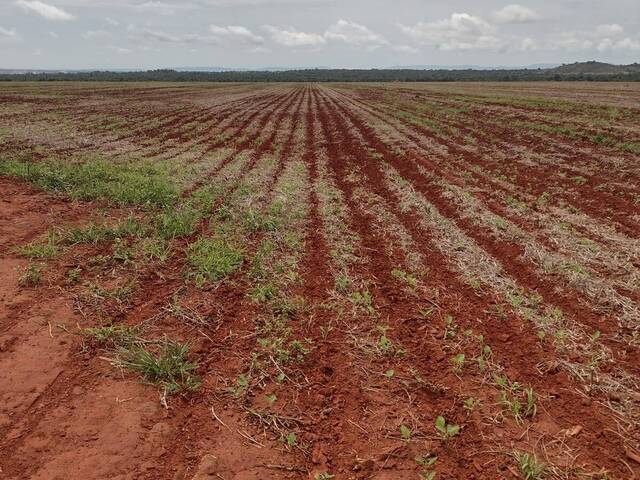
pixel 323 75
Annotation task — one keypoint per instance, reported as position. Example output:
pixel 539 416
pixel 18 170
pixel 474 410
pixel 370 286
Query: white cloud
pixel 354 34
pixel 609 29
pixel 236 33
pixel 120 50
pixel 627 44
pixel 112 22
pixel 405 49
pixel 603 38
pixel 7 35
pixel 96 34
pixel 290 37
pixel 570 41
pixel 260 49
pixel 161 36
pixel 607 44
pixel 44 10
pixel 515 14
pixel 461 31
pixel 528 45
pixel 161 8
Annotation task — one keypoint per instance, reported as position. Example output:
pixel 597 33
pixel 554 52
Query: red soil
pixel 67 413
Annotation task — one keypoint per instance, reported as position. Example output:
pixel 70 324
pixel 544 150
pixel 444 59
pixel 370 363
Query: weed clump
pixel 169 368
pixel 213 259
pixel 97 178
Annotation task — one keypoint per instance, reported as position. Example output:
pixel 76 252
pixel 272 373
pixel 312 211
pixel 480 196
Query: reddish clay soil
pixel 362 277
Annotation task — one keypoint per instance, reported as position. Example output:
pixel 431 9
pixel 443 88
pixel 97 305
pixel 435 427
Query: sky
pixel 145 34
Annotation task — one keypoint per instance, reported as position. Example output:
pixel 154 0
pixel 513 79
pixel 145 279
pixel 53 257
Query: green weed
pixel 32 276
pixel 113 335
pixel 176 222
pixel 41 250
pixel 97 178
pixel 213 259
pixel 530 467
pixel 169 368
pixel 446 430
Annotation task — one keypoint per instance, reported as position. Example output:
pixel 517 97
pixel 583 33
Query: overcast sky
pixel 306 33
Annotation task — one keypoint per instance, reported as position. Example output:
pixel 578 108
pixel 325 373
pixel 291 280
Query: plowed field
pixel 289 281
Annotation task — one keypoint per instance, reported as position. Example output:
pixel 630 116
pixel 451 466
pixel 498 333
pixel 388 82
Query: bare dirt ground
pixel 369 281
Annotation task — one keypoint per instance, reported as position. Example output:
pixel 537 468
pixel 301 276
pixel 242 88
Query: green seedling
pixel 446 430
pixel 46 250
pixel 426 461
pixel 323 476
pixel 450 328
pixel 32 276
pixel 430 475
pixel 362 300
pixel 73 275
pixel 405 433
pixel 530 467
pixel 470 404
pixel 458 362
pixel 113 335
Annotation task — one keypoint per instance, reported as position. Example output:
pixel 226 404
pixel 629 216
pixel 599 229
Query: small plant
pixel 410 280
pixel 271 399
pixel 458 362
pixel 530 467
pixel 384 345
pixel 484 357
pixel 323 476
pixel 530 398
pixel 73 275
pixel 578 180
pixel 46 250
pixel 512 397
pixel 512 405
pixel 446 430
pixel 113 335
pixel 426 461
pixel 470 404
pixel 32 276
pixel 405 433
pixel 428 475
pixel 342 283
pixel 450 328
pixel 122 252
pixel 543 199
pixel 168 368
pixel 264 293
pixel 241 385
pixel 154 249
pixel 292 440
pixel 362 300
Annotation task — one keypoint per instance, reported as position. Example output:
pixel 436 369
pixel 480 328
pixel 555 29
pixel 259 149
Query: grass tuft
pixel 213 259
pixel 169 368
pixel 95 179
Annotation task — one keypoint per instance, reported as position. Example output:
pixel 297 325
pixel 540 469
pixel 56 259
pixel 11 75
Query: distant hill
pixel 595 68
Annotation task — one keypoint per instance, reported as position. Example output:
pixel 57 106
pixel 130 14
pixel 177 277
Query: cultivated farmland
pixel 296 281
